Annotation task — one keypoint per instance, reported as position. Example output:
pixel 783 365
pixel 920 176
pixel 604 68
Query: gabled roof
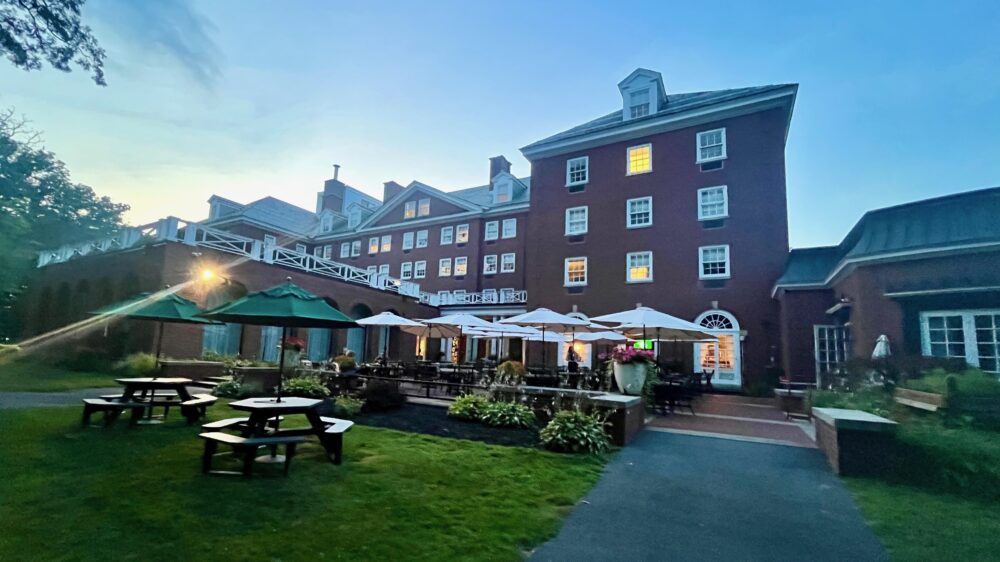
pixel 275 213
pixel 412 188
pixel 957 222
pixel 677 105
pixel 483 197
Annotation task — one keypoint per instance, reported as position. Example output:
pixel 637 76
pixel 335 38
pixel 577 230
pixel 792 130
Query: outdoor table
pixel 262 410
pixel 149 385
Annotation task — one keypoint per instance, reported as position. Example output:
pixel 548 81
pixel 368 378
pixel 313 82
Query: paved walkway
pixel 680 497
pixel 755 419
pixel 39 399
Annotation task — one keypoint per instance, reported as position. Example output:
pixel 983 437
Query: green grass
pixel 130 494
pixel 972 382
pixel 36 376
pixel 919 525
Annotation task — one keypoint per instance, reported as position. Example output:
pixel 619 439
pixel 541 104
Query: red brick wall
pixel 800 311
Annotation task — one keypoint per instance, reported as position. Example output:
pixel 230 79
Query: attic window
pixel 354 219
pixel 424 207
pixel 502 192
pixel 410 210
pixel 639 103
pixel 327 223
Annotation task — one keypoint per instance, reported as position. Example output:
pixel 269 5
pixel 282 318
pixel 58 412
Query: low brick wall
pixel 855 443
pixel 194 370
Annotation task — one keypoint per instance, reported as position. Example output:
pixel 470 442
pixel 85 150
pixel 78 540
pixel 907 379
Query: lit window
pixel 327 252
pixel 462 234
pixel 640 159
pixel 373 245
pixel 410 210
pixel 356 248
pixel 383 269
pixel 327 224
pixel 447 235
pixel 639 104
pixel 489 264
pixel 424 207
pixel 576 221
pixel 354 219
pixel 492 230
pixel 444 267
pixel 713 203
pixel 270 240
pixel 509 229
pixel 639 212
pixel 421 238
pixel 502 192
pixel 508 263
pixel 713 262
pixel 406 270
pixel 711 145
pixel 386 242
pixel 575 272
pixel 420 269
pixel 345 249
pixel 639 267
pixel 407 240
pixel 461 266
pixel 577 170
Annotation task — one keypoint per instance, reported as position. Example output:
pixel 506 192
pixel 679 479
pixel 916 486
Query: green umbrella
pixel 286 305
pixel 160 307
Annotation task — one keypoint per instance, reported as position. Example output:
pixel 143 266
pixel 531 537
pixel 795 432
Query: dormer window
pixel 326 224
pixel 354 219
pixel 639 104
pixel 424 207
pixel 503 192
pixel 410 210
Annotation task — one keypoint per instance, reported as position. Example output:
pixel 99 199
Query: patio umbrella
pixel 160 307
pixel 462 321
pixel 882 349
pixel 388 320
pixel 643 318
pixel 286 305
pixel 547 320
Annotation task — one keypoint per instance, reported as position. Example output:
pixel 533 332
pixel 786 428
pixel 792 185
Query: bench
pixel 111 409
pixel 238 423
pixel 195 408
pixel 168 394
pixel 333 436
pixel 245 447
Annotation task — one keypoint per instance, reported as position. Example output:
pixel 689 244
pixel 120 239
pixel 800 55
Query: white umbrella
pixel 882 349
pixel 462 321
pixel 547 320
pixel 599 337
pixel 433 331
pixel 667 326
pixel 388 319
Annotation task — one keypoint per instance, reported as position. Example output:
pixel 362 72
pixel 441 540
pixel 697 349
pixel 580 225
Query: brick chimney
pixel 390 189
pixel 498 164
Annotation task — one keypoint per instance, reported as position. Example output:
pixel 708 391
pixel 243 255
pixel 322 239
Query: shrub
pixel 507 414
pixel 227 389
pixel 970 382
pixel 381 395
pixel 347 406
pixel 305 387
pixel 345 362
pixel 572 431
pixel 138 365
pixel 468 407
pixel 875 400
pixel 510 372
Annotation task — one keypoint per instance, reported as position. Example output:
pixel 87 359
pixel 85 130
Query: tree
pixel 41 208
pixel 33 30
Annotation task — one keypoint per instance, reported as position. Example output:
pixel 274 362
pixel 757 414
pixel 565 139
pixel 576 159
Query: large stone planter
pixel 630 377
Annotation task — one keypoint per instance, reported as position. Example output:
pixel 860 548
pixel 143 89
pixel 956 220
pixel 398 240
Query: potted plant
pixel 293 351
pixel 630 367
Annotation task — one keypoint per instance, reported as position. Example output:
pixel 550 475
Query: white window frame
pixel 270 240
pixel 444 267
pixel 503 193
pixel 491 264
pixel 447 235
pixel 423 207
pixel 407 240
pixel 421 237
pixel 354 218
pixel 698 147
pixel 345 249
pixel 839 337
pixel 463 262
pixel 969 336
pixel 701 263
pixel 420 269
pixel 568 221
pixel 492 230
pixel 355 248
pixel 586 170
pixel 372 270
pixel 725 203
pixel 508 228
pixel 300 248
pixel 508 259
pixel 409 210
pixel 373 243
pixel 628 267
pixel 632 106
pixel 586 272
pixel 461 231
pixel 318 251
pixel 328 251
pixel 383 269
pixel 386 243
pixel 406 270
pixel 628 212
pixel 326 224
pixel 628 159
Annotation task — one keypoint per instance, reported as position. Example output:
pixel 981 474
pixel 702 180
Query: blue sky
pixel 898 100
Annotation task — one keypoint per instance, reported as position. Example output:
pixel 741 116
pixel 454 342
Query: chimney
pixel 498 164
pixel 390 189
pixel 336 171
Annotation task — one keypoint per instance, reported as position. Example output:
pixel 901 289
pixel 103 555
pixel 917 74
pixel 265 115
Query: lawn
pixel 36 376
pixel 121 493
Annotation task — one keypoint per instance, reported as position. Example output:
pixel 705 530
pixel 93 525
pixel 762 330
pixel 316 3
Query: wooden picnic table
pixel 262 422
pixel 146 388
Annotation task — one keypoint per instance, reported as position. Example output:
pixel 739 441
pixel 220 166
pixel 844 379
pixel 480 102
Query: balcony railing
pixel 489 296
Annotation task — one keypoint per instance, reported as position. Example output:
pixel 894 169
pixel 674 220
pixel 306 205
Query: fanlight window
pixel 717 322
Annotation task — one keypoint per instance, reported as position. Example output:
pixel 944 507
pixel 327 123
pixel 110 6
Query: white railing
pixel 172 229
pixel 489 296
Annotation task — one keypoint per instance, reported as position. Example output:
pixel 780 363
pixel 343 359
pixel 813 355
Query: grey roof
pixel 962 219
pixel 481 195
pixel 676 104
pixel 276 213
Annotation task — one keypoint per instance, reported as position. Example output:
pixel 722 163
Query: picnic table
pixel 146 388
pixel 266 413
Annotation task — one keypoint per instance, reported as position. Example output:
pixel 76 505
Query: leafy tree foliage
pixel 35 30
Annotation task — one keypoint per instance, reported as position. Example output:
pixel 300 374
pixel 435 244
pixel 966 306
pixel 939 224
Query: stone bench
pixel 855 442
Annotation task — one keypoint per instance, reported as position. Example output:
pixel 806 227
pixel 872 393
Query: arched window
pixel 717 320
pixel 722 357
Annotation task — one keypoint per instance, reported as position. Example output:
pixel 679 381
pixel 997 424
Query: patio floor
pixel 736 417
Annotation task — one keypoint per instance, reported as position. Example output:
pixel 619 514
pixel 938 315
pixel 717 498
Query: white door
pixel 722 357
